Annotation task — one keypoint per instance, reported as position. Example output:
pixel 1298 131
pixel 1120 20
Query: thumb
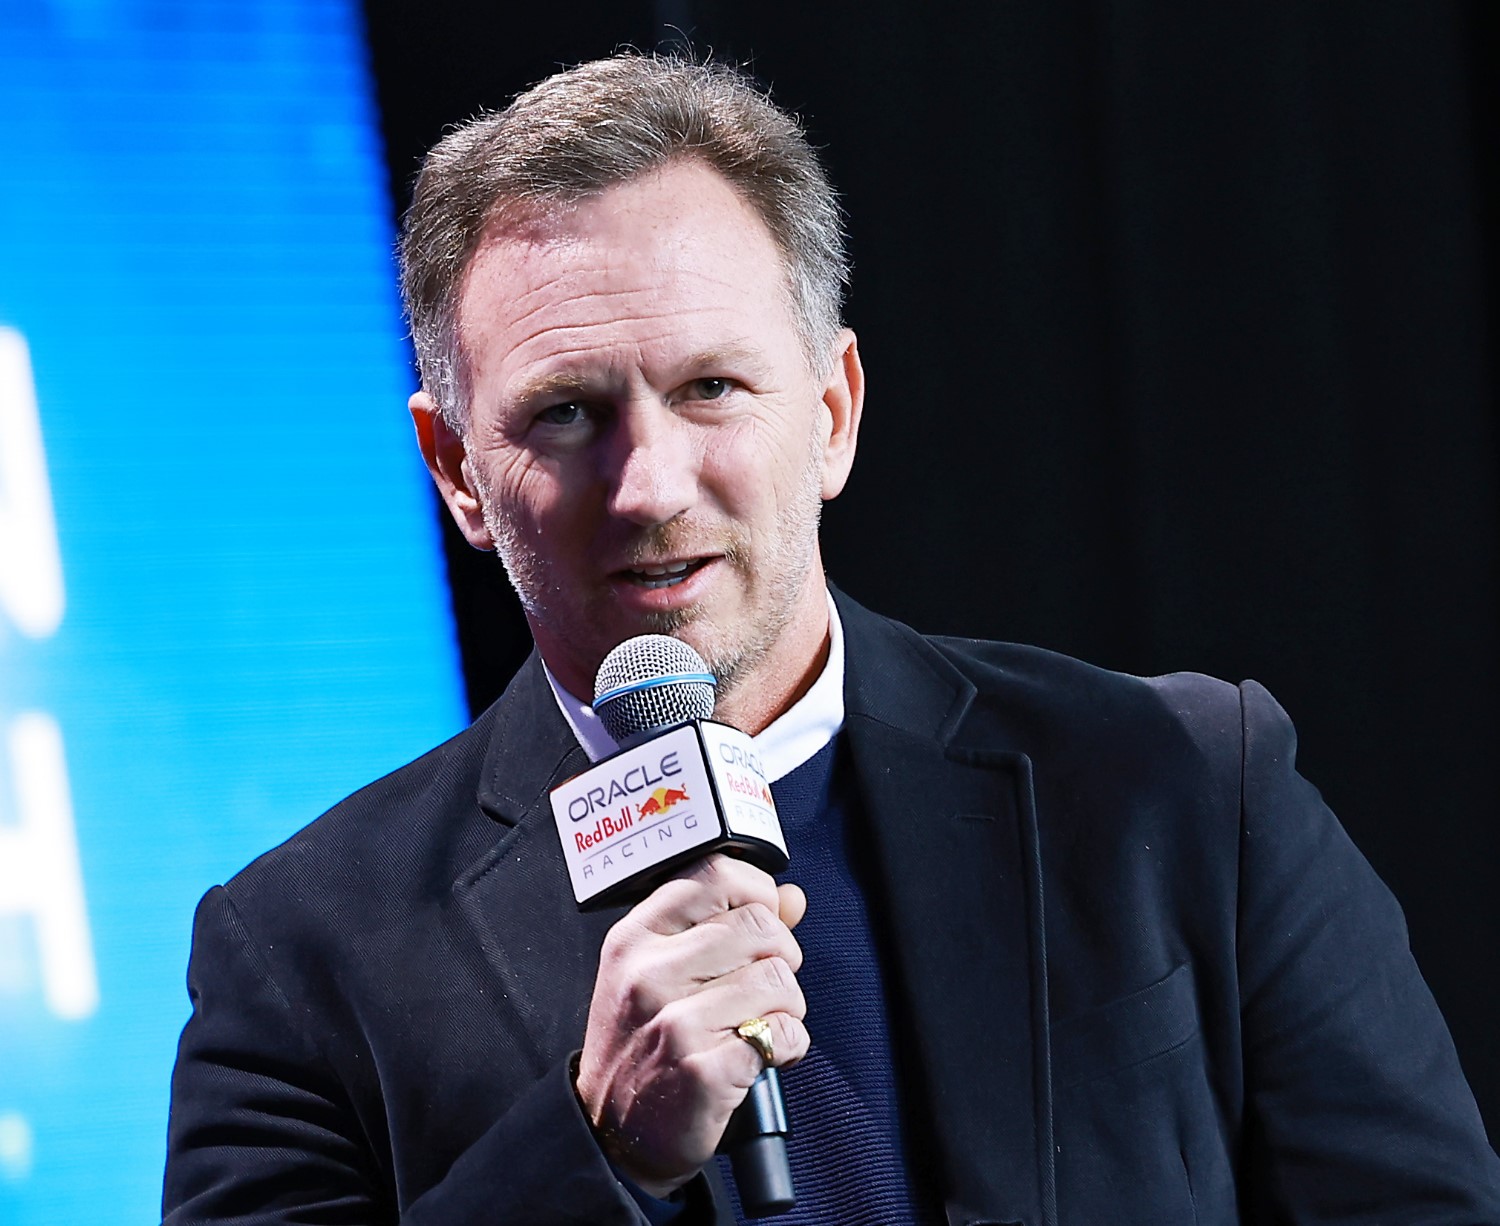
pixel 793 904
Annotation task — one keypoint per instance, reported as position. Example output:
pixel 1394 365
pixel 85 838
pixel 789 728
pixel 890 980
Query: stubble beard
pixel 732 653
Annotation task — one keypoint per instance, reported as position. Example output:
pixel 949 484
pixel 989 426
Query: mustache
pixel 674 539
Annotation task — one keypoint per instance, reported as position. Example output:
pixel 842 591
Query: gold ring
pixel 756 1031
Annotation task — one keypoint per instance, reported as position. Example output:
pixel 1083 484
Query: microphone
pixel 680 787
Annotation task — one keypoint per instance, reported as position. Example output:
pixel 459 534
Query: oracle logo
pixel 636 779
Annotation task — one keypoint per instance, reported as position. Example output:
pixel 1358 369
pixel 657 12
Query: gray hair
pixel 593 127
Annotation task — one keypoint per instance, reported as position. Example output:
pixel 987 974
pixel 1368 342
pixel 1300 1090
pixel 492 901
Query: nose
pixel 653 466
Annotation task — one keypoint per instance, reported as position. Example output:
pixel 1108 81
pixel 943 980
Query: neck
pixel 753 713
pixel 789 669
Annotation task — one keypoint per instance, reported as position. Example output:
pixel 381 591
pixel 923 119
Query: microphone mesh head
pixel 640 686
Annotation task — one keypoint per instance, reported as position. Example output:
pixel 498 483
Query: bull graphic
pixel 661 800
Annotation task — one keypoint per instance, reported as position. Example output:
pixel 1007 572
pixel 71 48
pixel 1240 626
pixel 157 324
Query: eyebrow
pixel 727 355
pixel 546 387
pixel 570 383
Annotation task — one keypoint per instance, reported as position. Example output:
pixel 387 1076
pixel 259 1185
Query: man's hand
pixel 662 1068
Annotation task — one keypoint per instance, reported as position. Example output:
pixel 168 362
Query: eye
pixel 569 413
pixel 709 389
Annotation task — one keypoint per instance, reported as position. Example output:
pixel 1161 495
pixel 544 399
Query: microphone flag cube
pixel 633 818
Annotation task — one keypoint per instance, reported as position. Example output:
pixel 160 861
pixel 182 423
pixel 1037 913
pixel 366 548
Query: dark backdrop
pixel 1178 324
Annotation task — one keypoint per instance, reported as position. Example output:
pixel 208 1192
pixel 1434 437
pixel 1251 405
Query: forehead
pixel 676 254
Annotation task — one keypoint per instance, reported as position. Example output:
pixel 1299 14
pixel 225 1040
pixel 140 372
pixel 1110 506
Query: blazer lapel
pixel 955 839
pixel 516 895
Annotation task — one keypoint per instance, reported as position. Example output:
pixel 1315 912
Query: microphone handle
pixel 755 1142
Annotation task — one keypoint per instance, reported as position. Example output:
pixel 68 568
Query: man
pixel 1079 947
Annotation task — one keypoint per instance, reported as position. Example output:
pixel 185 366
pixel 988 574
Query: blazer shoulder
pixel 981 696
pixel 383 840
pixel 1073 701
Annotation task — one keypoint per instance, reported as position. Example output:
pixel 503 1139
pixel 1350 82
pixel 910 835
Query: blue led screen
pixel 221 597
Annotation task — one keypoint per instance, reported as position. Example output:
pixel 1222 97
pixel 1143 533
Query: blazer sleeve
pixel 263 1132
pixel 1358 1111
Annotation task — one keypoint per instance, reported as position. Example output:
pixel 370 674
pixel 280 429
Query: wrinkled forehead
pixel 629 214
pixel 678 238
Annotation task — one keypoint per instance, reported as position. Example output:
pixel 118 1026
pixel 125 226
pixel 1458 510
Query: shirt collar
pixel 791 739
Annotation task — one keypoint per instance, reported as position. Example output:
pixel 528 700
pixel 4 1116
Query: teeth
pixel 668 574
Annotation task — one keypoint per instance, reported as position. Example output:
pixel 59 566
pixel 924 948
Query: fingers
pixel 720 915
pixel 739 936
pixel 789 1040
pixel 736 1062
pixel 704 1025
pixel 768 990
pixel 747 945
pixel 764 987
pixel 662 1064
pixel 707 888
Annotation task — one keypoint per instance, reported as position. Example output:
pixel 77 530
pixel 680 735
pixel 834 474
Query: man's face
pixel 647 447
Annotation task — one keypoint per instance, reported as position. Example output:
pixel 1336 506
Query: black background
pixel 1179 328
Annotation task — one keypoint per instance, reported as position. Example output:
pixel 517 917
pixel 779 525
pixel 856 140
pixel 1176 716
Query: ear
pixel 448 462
pixel 844 400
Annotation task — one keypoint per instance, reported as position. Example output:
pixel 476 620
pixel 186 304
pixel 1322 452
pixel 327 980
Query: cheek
pixel 732 472
pixel 517 482
pixel 763 458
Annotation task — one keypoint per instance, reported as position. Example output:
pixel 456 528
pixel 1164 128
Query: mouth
pixel 655 575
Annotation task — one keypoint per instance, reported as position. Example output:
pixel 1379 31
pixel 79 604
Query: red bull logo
pixel 752 786
pixel 661 800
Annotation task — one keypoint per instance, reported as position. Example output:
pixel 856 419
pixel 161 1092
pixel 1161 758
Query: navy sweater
pixel 850 1158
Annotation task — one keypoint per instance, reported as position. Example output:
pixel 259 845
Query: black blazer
pixel 1146 977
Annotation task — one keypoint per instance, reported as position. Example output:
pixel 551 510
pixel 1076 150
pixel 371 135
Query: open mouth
pixel 665 574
